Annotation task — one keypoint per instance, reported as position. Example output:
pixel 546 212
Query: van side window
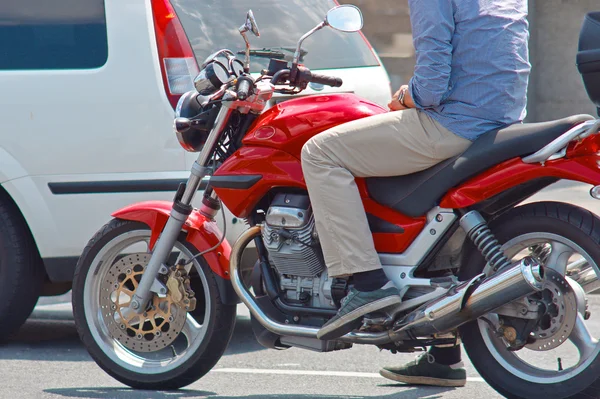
pixel 57 34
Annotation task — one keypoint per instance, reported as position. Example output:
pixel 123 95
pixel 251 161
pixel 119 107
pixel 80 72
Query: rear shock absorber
pixel 478 231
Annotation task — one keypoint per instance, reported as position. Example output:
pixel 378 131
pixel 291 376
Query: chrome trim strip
pixel 556 146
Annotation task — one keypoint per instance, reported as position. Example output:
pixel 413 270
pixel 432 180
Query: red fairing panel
pixel 391 242
pixel 202 232
pixel 511 173
pixel 279 169
pixel 287 126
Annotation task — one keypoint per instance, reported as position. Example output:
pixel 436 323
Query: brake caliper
pixel 179 287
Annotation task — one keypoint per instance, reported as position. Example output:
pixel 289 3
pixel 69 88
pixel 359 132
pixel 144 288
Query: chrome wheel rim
pixel 194 328
pixel 565 257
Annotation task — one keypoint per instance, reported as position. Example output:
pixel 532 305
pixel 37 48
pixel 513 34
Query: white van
pixel 86 114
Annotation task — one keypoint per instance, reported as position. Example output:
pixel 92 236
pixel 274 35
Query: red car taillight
pixel 176 57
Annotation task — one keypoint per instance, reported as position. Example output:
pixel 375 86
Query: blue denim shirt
pixel 472 63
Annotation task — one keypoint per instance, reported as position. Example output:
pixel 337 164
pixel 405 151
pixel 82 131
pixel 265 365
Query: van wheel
pixel 21 270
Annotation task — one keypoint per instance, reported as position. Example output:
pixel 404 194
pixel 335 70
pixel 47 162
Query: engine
pixel 291 239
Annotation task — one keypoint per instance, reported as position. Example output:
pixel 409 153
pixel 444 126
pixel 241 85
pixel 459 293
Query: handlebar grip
pixel 243 89
pixel 333 81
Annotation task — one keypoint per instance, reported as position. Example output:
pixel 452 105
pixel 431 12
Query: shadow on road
pixel 243 340
pixel 97 393
pixel 46 340
pixel 410 393
pixel 57 340
pixel 100 393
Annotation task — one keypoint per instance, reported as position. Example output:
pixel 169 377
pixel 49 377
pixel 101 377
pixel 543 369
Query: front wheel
pixel 163 348
pixel 556 355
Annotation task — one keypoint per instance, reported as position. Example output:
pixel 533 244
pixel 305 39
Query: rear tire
pixel 219 326
pixel 21 270
pixel 573 223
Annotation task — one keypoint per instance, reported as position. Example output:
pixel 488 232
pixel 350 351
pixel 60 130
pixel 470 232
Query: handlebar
pixel 305 76
pixel 245 83
pixel 332 81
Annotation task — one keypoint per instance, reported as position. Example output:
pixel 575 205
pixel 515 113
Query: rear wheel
pixel 559 353
pixel 163 348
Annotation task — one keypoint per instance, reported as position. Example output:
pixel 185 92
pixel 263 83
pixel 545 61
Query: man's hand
pixel 395 104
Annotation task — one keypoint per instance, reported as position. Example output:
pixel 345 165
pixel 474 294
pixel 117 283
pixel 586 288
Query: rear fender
pixel 202 234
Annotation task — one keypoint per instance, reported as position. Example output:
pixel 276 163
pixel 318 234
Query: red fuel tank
pixel 290 124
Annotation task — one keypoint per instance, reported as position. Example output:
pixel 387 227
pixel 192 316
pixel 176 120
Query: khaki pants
pixel 390 144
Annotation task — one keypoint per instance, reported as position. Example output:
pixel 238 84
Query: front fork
pixel 182 208
pixel 180 211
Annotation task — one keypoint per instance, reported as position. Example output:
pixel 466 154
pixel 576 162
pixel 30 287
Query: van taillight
pixel 176 57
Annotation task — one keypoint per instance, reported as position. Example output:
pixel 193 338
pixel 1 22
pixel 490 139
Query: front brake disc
pixel 150 331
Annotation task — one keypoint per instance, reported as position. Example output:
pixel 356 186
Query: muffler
pixel 475 298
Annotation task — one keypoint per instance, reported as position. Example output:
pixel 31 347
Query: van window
pixel 56 34
pixel 213 24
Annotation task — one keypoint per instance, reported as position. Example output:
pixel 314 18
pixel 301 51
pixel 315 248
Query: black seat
pixel 415 194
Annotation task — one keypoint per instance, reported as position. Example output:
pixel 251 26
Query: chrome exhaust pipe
pixel 473 299
pixel 584 274
pixel 274 326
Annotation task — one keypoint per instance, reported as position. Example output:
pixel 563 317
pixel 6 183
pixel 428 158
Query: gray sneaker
pixel 355 305
pixel 425 371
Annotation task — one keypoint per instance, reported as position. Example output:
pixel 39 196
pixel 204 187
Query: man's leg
pixel 439 367
pixel 391 144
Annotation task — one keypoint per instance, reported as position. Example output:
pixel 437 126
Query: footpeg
pixel 444 282
pixel 381 323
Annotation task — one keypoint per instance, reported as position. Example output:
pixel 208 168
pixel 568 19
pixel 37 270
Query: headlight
pixel 192 124
pixel 211 78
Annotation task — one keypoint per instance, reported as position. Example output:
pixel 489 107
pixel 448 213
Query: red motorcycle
pixel 156 289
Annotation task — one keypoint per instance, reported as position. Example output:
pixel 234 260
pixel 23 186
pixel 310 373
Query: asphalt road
pixel 45 359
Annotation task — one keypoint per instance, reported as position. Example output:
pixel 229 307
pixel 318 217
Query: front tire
pixel 206 332
pixel 559 223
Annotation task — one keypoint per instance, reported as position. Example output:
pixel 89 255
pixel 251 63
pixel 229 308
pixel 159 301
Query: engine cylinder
pixel 290 237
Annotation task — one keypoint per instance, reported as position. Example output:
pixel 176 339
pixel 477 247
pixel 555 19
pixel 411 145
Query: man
pixel 470 78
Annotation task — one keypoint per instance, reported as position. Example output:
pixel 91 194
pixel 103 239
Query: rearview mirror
pixel 250 24
pixel 346 18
